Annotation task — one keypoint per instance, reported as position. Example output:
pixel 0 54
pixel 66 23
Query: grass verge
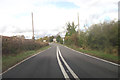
pixel 99 54
pixel 10 60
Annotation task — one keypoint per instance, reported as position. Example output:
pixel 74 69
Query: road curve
pixel 50 64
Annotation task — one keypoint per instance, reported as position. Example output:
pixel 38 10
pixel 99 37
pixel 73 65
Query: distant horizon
pixel 28 38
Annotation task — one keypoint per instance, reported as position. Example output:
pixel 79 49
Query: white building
pixel 54 40
pixel 44 40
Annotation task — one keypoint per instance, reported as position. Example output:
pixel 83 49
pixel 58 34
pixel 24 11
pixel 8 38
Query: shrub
pixel 12 45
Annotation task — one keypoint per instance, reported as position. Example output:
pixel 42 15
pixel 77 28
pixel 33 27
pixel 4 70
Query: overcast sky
pixel 51 16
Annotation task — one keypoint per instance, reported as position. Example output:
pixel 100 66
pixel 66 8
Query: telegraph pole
pixel 85 24
pixel 78 25
pixel 32 27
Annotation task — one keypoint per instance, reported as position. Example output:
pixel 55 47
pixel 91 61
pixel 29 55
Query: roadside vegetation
pixel 15 49
pixel 58 38
pixel 14 45
pixel 100 40
pixel 100 54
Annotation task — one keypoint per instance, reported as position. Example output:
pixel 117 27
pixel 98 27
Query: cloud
pixel 50 16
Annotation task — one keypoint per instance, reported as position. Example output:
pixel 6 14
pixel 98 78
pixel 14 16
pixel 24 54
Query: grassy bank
pixel 106 56
pixel 11 59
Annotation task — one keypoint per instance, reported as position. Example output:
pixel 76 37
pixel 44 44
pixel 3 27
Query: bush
pixel 12 45
pixel 101 37
pixel 68 40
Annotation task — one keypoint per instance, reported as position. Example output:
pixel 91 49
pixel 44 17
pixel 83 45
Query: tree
pixel 40 39
pixel 70 29
pixel 104 36
pixel 101 36
pixel 71 34
pixel 51 38
pixel 46 38
pixel 59 39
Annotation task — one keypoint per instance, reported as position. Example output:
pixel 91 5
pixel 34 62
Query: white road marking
pixel 93 57
pixel 61 66
pixel 68 67
pixel 22 61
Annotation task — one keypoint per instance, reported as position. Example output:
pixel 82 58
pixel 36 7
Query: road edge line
pixel 94 57
pixel 61 66
pixel 22 61
pixel 71 71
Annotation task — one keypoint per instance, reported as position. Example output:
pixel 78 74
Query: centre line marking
pixel 61 66
pixel 71 71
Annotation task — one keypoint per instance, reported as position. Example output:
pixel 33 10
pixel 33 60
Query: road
pixel 61 62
